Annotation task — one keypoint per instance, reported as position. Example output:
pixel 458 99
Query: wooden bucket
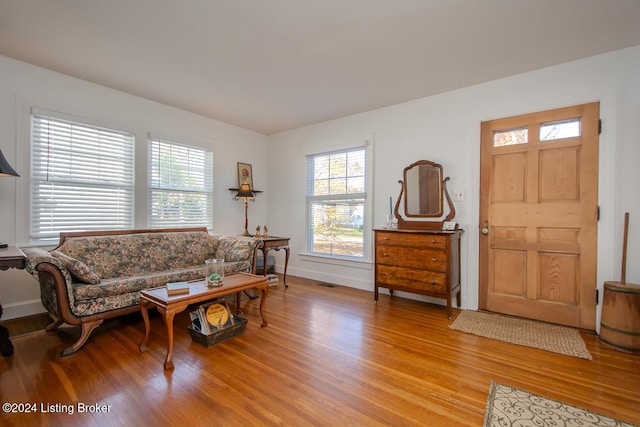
pixel 620 320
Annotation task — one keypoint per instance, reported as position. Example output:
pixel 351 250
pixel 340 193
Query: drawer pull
pixel 385 238
pixel 433 241
pixel 433 259
pixel 433 283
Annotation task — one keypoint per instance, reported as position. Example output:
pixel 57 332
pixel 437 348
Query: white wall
pixel 23 85
pixel 446 129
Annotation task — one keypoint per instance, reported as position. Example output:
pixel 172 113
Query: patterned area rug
pixel 510 406
pixel 545 336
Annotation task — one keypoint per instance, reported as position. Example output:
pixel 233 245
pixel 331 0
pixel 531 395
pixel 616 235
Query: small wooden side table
pixel 276 243
pixel 10 257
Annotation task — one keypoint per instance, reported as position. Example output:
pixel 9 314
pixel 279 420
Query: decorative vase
pixel 214 271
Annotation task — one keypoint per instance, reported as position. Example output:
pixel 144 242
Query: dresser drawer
pixel 411 240
pixel 426 259
pixel 412 280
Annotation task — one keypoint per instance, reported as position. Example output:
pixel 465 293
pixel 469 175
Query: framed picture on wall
pixel 245 174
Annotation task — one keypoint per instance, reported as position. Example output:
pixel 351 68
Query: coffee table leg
pixel 168 316
pixel 147 326
pixel 265 292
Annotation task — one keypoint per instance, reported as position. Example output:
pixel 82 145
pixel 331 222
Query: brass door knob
pixel 485 228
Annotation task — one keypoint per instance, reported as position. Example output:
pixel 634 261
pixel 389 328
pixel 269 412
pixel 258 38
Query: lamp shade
pixel 5 167
pixel 245 191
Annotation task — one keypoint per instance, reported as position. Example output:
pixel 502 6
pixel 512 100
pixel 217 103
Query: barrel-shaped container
pixel 620 320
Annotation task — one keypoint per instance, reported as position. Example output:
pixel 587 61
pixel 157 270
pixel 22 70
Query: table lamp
pixel 5 170
pixel 245 192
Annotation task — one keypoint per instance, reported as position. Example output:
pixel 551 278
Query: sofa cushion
pixel 127 285
pixel 139 254
pixel 78 269
pixel 114 287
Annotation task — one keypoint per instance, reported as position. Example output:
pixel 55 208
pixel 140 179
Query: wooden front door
pixel 538 215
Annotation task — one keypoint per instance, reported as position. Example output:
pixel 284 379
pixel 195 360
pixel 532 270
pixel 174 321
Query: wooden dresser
pixel 425 262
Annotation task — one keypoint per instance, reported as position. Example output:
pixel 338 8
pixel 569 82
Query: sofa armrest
pixel 56 284
pixel 36 256
pixel 239 249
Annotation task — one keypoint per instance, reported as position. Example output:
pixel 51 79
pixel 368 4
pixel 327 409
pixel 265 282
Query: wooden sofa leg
pixel 53 325
pixel 87 328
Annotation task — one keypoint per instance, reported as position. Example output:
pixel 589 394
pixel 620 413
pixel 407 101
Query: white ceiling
pixel 273 65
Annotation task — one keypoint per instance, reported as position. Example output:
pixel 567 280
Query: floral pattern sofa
pixel 93 276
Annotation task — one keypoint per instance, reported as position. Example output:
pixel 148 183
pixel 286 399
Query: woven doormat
pixel 545 336
pixel 510 406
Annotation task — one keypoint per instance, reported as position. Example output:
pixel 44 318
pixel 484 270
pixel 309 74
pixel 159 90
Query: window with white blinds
pixel 181 185
pixel 336 194
pixel 82 177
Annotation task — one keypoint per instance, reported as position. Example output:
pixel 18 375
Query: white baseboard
pixel 351 282
pixel 356 283
pixel 22 309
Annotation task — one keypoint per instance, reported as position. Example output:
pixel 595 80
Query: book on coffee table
pixel 177 288
pixel 272 279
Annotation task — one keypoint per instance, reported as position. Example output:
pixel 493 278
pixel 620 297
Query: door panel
pixel 508 272
pixel 538 198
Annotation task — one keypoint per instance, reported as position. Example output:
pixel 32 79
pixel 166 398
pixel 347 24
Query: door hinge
pixel 598 214
pixel 599 126
pixel 597 296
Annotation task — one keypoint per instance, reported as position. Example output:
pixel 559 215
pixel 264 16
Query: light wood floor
pixel 329 356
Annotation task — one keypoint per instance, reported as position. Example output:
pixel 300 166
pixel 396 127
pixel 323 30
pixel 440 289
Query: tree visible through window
pixel 337 189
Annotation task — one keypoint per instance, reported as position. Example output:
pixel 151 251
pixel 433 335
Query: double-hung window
pixel 181 185
pixel 82 177
pixel 336 201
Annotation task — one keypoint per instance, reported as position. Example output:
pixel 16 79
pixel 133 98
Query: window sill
pixel 364 264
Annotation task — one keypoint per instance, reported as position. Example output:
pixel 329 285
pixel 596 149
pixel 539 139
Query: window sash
pixel 82 177
pixel 180 185
pixel 336 203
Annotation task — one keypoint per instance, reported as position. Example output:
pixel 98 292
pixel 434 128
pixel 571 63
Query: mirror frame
pixel 409 190
pixel 409 224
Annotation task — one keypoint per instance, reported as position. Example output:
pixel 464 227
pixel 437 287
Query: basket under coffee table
pixel 169 306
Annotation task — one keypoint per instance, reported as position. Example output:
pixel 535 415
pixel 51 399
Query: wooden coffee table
pixel 169 306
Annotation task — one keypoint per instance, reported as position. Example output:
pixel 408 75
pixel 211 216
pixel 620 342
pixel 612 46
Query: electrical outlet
pixel 457 196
